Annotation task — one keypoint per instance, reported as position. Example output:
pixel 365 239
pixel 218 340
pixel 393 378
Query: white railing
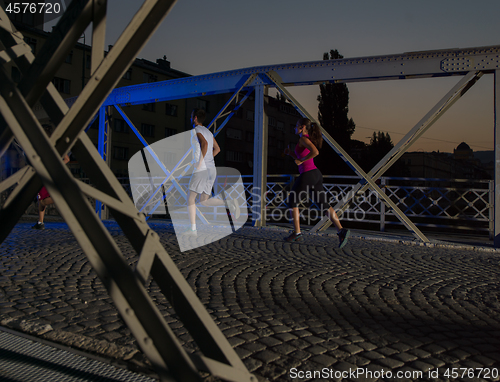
pixel 445 204
pixel 452 204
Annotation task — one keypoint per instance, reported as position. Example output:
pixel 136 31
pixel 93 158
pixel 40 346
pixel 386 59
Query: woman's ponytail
pixel 315 135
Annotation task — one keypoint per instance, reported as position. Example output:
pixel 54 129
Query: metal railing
pixel 442 204
pixel 435 204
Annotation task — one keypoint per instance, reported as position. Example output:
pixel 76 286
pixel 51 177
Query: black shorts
pixel 308 185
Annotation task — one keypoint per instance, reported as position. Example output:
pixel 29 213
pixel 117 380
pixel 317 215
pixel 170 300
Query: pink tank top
pixel 302 152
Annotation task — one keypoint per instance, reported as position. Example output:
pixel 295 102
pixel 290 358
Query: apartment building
pixel 159 120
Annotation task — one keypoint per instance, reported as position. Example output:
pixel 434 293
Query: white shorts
pixel 203 181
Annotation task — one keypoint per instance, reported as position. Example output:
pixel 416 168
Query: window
pixel 272 121
pixel 128 75
pixel 148 77
pixel 69 58
pixel 280 126
pixel 250 136
pixel 31 42
pixel 202 104
pixel 234 156
pixel 250 115
pixel 233 133
pixel 147 130
pixel 171 109
pixel 169 132
pixel 120 153
pixel 62 85
pixel 281 144
pixel 121 126
pixel 149 106
pixel 285 108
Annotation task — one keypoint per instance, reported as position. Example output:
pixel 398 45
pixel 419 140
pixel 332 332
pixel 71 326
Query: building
pixel 156 121
pixel 459 165
pixel 463 153
pixel 239 137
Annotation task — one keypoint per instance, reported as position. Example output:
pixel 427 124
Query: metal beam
pixel 441 63
pixel 405 143
pixel 496 219
pixel 166 172
pixel 228 115
pixel 349 161
pixel 260 159
pixel 98 33
pixel 136 307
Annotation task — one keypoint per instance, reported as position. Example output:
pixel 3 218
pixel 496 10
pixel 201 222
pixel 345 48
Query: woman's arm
pixel 289 151
pixel 313 151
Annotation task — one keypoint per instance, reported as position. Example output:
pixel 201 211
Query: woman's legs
pixel 300 187
pixel 296 219
pixel 320 198
pixel 332 215
pixel 42 204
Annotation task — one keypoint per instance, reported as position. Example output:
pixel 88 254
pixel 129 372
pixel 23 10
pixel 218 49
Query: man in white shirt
pixel 204 173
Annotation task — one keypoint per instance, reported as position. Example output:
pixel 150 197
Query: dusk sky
pixel 206 36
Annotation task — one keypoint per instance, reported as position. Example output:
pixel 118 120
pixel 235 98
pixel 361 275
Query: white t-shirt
pixel 208 160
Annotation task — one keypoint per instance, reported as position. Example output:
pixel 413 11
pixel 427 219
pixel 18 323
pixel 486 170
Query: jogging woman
pixel 310 181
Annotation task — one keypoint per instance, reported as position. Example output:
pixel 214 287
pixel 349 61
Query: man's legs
pixel 207 201
pixel 192 206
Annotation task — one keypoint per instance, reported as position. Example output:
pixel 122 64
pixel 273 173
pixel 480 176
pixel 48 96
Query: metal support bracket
pixel 404 144
pixel 354 166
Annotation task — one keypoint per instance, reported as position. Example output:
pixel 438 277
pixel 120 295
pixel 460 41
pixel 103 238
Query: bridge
pixel 127 285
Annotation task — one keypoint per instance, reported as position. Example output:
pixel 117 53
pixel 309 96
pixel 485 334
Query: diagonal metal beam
pixel 99 246
pixel 349 161
pixel 55 50
pixel 98 34
pixel 137 309
pixel 87 105
pixel 496 189
pixel 36 75
pixel 234 97
pixel 405 143
pixel 167 173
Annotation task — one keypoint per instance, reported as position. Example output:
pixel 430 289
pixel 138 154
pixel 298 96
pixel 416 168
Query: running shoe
pixel 38 225
pixel 190 232
pixel 294 237
pixel 343 236
pixel 234 208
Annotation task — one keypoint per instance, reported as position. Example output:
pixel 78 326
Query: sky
pixel 207 36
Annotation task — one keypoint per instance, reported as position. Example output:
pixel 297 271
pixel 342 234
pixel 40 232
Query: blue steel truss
pixel 469 63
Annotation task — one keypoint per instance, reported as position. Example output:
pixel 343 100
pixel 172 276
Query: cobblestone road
pixel 289 310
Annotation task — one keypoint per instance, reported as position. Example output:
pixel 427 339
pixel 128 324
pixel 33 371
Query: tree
pixel 380 144
pixel 332 115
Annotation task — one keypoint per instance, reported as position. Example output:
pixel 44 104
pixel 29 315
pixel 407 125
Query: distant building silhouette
pixel 460 165
pixel 463 152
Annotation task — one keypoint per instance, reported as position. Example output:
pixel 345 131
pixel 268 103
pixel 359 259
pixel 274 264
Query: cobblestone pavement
pixel 289 309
